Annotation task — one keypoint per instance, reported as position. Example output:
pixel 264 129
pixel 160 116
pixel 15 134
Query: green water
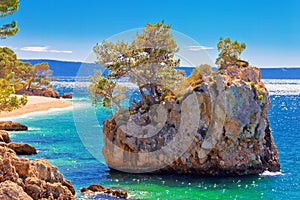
pixel 54 135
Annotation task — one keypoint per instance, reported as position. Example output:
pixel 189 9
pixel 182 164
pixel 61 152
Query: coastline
pixel 36 104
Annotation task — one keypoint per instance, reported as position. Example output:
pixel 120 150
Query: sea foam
pixel 268 173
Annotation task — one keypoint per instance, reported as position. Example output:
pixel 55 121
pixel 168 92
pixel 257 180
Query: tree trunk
pixel 144 96
pixel 152 93
pixel 152 87
pixel 29 85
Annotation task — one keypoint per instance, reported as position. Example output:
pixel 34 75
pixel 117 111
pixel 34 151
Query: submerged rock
pixel 22 179
pixel 12 126
pixel 219 127
pixel 98 189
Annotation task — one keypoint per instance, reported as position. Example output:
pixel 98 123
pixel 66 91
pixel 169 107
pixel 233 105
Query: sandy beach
pixel 37 104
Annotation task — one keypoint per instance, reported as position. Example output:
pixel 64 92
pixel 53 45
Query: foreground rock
pixel 98 189
pixel 219 127
pixel 46 92
pixel 22 179
pixel 19 148
pixel 12 126
pixel 10 190
pixel 4 137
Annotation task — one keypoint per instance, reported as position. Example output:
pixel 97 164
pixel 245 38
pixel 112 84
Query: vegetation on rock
pixel 229 53
pixel 147 61
pixel 196 76
pixel 232 105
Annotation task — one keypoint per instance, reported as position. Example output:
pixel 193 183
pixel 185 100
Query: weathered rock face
pixel 46 92
pixel 19 148
pixel 12 126
pixel 22 179
pixel 4 137
pixel 10 190
pixel 231 134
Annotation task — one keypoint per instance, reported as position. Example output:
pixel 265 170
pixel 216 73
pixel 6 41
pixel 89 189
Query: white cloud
pixel 198 48
pixel 43 49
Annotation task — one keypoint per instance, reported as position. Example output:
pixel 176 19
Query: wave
pixel 268 173
pixel 283 86
pixel 34 129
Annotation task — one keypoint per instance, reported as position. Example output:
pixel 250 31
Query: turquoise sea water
pixel 55 136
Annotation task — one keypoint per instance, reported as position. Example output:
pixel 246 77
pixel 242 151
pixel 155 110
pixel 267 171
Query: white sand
pixel 37 104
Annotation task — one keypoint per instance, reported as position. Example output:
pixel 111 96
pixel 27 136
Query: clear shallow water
pixel 54 135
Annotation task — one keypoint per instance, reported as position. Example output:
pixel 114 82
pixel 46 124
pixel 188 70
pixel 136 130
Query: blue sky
pixel 68 29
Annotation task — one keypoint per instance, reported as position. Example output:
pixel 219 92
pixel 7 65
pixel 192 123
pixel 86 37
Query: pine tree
pixel 148 61
pixel 229 52
pixel 8 7
pixel 9 66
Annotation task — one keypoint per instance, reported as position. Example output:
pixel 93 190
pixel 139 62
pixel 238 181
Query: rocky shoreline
pixel 24 179
pixel 45 92
pixel 232 134
pixel 18 148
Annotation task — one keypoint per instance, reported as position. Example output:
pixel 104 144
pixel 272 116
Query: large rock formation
pixel 22 179
pixel 219 127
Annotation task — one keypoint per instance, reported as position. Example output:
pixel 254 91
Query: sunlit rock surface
pixel 219 127
pixel 22 179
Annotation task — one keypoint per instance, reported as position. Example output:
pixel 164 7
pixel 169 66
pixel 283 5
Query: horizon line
pixel 80 61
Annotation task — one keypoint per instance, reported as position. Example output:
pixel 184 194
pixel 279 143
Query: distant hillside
pixel 67 68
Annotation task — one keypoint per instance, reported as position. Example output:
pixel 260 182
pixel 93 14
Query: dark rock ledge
pixel 94 190
pixel 12 126
pixel 18 148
